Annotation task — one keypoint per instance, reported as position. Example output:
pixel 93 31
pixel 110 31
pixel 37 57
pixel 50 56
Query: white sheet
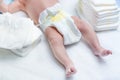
pixel 17 41
pixel 41 65
pixel 17 32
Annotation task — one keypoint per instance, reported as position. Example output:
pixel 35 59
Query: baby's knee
pixel 81 25
pixel 56 40
pixel 77 19
pixel 54 37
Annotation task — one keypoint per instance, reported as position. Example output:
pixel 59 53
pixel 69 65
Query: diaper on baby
pixel 62 21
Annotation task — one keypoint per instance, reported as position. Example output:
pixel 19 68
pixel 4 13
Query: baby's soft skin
pixel 3 6
pixel 1 1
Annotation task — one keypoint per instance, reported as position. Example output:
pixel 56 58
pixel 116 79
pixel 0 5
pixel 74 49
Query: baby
pixel 59 27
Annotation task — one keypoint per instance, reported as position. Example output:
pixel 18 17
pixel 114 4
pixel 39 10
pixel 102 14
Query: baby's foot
pixel 103 52
pixel 70 70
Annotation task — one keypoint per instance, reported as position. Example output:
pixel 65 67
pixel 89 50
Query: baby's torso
pixel 35 7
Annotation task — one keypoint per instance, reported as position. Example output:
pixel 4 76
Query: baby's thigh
pixel 53 34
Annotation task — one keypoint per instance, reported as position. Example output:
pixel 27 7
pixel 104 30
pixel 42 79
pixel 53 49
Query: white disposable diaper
pixel 17 32
pixel 62 21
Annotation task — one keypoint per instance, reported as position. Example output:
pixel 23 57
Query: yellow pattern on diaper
pixel 58 17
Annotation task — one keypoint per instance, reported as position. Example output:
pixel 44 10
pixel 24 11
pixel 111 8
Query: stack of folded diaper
pixel 101 14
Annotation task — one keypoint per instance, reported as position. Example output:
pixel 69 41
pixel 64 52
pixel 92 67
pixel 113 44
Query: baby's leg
pixel 90 36
pixel 56 42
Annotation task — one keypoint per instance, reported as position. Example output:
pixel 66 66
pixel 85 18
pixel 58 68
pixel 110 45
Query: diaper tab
pixel 51 11
pixel 54 10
